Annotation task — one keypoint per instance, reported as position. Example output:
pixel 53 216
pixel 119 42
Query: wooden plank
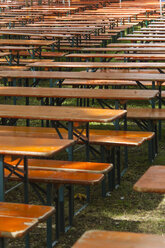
pixel 13 227
pixel 98 238
pixel 142 65
pixel 153 180
pixel 78 114
pixel 84 75
pixel 40 213
pixel 29 146
pixel 113 94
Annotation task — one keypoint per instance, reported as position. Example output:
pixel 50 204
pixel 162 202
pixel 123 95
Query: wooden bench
pixel 43 54
pixel 25 61
pixel 131 56
pixel 16 220
pixel 106 138
pixel 98 238
pixel 54 178
pixel 17 210
pixel 128 45
pixel 153 180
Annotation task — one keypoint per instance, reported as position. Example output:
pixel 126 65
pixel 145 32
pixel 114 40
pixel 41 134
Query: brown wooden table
pixel 109 65
pixel 128 45
pixel 25 147
pixel 118 56
pixel 102 94
pixel 107 239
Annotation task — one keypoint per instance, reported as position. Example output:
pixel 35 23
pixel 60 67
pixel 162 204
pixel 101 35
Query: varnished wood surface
pixel 62 177
pixel 16 42
pixel 3 54
pixel 153 180
pixel 125 49
pixel 13 227
pixel 96 136
pixel 73 166
pixel 25 210
pixel 121 55
pixel 136 45
pixel 146 114
pixel 17 48
pixel 29 146
pixel 79 93
pixel 154 39
pixel 9 68
pixel 107 239
pixel 61 113
pixel 84 75
pixel 55 35
pixel 143 65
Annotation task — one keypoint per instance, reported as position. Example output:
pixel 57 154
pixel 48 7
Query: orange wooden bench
pixel 105 138
pixel 99 238
pixel 153 180
pixel 54 178
pixel 16 220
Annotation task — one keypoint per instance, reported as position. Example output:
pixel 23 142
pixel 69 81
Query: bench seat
pixel 100 137
pixel 25 210
pixel 60 177
pixel 83 82
pixel 14 227
pixel 146 114
pixel 25 61
pixel 43 54
pixel 58 165
pixel 17 219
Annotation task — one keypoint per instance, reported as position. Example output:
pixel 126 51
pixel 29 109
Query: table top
pixel 136 45
pixel 152 56
pixel 2 54
pixel 29 146
pixel 55 35
pixel 126 94
pixel 107 239
pixel 85 75
pixel 126 49
pixel 149 114
pixel 17 48
pixel 144 65
pixel 78 114
pixel 141 39
pixel 16 42
pixel 153 180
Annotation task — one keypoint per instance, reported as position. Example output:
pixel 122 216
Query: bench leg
pixel 71 204
pixel 61 203
pixel 57 215
pixel 3 243
pixel 2 187
pixel 49 221
pixel 103 183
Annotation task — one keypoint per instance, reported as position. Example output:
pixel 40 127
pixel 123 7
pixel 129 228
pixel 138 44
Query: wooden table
pixel 38 75
pixel 25 147
pixel 18 49
pixel 126 49
pixel 57 37
pixel 153 180
pixel 107 239
pixel 152 56
pixel 61 115
pixel 101 94
pixel 84 75
pixel 107 65
pixel 128 45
